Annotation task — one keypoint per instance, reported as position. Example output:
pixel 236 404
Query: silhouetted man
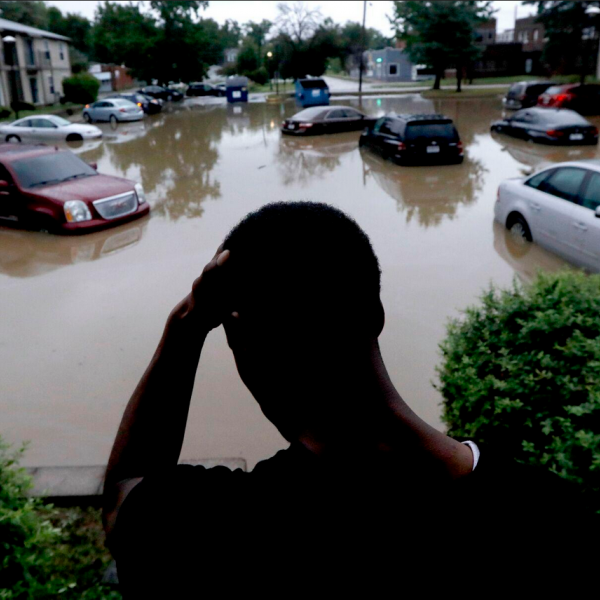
pixel 367 495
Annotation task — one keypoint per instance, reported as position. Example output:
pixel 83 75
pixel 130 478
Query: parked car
pixel 164 93
pixel 44 187
pixel 48 128
pixel 525 94
pixel 585 99
pixel 113 110
pixel 325 119
pixel 415 138
pixel 222 88
pixel 548 126
pixel 557 207
pixel 150 106
pixel 204 89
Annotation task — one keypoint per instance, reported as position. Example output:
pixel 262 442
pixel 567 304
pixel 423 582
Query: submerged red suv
pixel 44 187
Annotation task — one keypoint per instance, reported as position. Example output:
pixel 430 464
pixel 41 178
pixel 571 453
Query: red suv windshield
pixel 50 168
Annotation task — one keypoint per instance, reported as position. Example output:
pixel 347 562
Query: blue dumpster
pixel 236 89
pixel 311 92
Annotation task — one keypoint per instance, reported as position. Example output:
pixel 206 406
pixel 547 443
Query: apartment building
pixel 33 64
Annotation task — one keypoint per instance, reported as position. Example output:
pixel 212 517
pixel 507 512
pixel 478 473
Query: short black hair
pixel 307 259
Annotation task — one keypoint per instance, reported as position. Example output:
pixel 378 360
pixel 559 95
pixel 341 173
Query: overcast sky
pixel 341 12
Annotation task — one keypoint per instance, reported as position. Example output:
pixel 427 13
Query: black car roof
pixel 431 118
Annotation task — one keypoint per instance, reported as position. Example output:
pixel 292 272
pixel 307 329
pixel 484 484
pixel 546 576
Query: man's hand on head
pixel 205 307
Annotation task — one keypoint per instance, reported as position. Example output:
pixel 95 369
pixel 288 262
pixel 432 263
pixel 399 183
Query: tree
pixel 34 14
pixel 230 34
pixel 248 59
pixel 440 33
pixel 257 33
pixel 567 49
pixel 73 26
pixel 352 44
pixel 297 22
pixel 122 34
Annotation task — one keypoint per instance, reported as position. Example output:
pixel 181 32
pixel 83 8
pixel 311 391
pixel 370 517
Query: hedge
pixel 521 371
pixel 81 88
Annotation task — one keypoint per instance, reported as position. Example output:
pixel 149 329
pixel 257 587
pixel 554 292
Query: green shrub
pixel 20 105
pixel 81 88
pixel 46 552
pixel 5 112
pixel 522 372
pixel 260 76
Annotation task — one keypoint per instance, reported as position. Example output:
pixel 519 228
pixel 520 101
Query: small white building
pixel 33 64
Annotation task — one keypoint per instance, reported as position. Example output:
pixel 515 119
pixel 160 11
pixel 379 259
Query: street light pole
pixel 362 48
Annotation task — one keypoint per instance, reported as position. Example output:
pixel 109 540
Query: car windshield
pixel 60 122
pixel 308 114
pixel 121 102
pixel 554 89
pixel 50 168
pixel 438 130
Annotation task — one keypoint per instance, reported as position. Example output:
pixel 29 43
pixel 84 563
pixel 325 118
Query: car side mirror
pixel 94 166
pixel 596 212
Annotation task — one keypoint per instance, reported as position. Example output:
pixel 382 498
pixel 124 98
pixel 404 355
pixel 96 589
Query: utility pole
pixel 362 48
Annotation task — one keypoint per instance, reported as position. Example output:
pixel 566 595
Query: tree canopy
pixel 569 49
pixel 440 34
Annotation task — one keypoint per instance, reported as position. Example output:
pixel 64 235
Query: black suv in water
pixel 525 94
pixel 415 138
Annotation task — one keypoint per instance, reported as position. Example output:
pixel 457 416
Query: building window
pixel 51 83
pixel 536 35
pixel 29 52
pixel 34 90
pixel 525 37
pixel 46 50
pixel 528 65
pixel 393 69
pixel 62 52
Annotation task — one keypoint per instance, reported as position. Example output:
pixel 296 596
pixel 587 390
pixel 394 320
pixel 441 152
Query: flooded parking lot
pixel 81 316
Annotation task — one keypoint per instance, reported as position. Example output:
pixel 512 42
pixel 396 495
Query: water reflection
pixel 174 158
pixel 301 160
pixel 534 156
pixel 427 194
pixel 30 253
pixel 525 258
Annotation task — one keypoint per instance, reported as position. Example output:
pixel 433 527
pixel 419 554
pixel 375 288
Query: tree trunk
pixel 438 79
pixel 459 76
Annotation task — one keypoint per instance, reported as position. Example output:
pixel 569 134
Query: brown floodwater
pixel 81 316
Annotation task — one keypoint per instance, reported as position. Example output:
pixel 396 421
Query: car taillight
pixel 283 123
pixel 401 146
pixel 554 133
pixel 122 110
pixel 560 99
pixel 459 145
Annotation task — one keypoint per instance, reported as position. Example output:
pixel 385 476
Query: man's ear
pixel 378 318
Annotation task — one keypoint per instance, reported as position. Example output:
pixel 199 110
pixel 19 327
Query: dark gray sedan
pixel 548 126
pixel 326 119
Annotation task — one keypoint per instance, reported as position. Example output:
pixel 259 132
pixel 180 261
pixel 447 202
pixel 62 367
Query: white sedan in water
pixel 557 207
pixel 47 128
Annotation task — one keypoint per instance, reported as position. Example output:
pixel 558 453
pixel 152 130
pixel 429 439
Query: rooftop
pixel 12 26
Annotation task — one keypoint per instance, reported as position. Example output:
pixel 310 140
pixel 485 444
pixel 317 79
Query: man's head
pixel 305 281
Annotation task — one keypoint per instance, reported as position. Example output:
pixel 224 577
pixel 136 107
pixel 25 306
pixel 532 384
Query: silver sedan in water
pixel 47 128
pixel 113 110
pixel 559 208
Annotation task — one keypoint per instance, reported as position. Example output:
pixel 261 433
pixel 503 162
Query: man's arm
pixel 153 425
